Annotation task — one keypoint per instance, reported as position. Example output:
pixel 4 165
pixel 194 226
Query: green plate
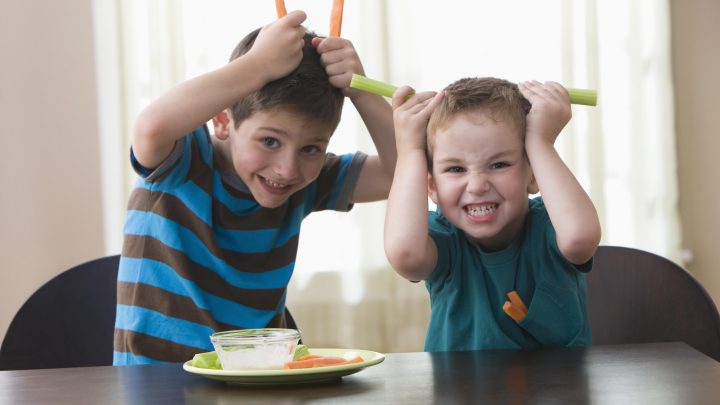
pixel 297 376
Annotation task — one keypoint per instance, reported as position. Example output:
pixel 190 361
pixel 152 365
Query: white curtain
pixel 343 292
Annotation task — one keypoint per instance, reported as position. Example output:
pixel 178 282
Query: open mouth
pixel 480 210
pixel 273 187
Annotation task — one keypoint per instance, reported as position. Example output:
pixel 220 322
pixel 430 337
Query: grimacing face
pixel 481 178
pixel 276 153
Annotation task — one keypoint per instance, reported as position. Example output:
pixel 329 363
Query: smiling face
pixel 481 177
pixel 275 153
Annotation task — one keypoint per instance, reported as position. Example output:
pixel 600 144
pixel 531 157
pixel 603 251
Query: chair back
pixel 68 322
pixel 636 296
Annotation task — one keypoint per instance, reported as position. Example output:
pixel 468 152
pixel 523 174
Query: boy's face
pixel 481 178
pixel 276 153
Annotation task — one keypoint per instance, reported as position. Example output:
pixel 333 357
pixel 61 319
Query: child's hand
pixel 279 46
pixel 340 60
pixel 550 110
pixel 411 113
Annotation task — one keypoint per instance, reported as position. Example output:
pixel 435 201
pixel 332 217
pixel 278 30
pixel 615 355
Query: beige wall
pixel 50 207
pixel 696 71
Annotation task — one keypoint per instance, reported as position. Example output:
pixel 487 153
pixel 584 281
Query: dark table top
pixel 666 373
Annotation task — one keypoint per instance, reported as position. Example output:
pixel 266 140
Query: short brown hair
pixel 306 90
pixel 500 98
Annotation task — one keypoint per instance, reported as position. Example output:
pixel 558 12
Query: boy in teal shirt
pixel 502 270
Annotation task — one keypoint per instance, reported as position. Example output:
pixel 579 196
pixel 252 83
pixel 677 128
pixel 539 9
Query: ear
pixel 221 124
pixel 532 187
pixel 432 189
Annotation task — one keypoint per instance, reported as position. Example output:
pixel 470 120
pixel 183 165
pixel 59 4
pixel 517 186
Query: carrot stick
pixel 513 312
pixel 309 363
pixel 336 18
pixel 517 301
pixel 309 357
pixel 281 10
pixel 313 361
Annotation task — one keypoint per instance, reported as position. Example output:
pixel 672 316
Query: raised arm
pixel 571 211
pixel 408 247
pixel 276 52
pixel 341 61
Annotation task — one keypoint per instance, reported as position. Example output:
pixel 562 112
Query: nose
pixel 286 166
pixel 478 183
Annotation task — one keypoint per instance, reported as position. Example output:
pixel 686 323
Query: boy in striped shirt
pixel 212 228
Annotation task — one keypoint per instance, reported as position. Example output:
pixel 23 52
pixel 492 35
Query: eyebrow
pixel 499 155
pixel 285 134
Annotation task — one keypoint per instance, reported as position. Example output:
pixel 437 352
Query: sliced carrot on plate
pixel 313 361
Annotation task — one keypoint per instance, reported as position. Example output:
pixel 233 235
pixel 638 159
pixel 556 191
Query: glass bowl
pixel 255 349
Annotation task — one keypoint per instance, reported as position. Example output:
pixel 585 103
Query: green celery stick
pixel 577 96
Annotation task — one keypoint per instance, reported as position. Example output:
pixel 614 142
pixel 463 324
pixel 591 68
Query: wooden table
pixel 666 373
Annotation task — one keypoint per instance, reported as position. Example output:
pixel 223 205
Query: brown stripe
pixel 152 347
pixel 199 172
pixel 260 218
pixel 163 301
pixel 262 262
pixel 296 199
pixel 172 208
pixel 327 179
pixel 206 279
pixel 169 304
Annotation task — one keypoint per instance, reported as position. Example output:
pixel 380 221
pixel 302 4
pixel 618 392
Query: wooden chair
pixel 635 296
pixel 69 321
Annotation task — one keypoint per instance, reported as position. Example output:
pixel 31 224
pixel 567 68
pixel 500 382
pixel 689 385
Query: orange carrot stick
pixel 336 17
pixel 513 312
pixel 309 357
pixel 313 361
pixel 281 10
pixel 309 363
pixel 517 301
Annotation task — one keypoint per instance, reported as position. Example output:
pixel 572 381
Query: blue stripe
pixel 178 237
pixel 160 275
pixel 156 324
pixel 238 206
pixel 129 359
pixel 192 196
pixel 260 241
pixel 178 174
pixel 339 181
pixel 310 198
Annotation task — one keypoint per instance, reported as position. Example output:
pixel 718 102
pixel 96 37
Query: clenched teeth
pixel 478 210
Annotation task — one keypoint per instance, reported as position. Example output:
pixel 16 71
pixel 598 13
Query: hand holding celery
pixel 577 96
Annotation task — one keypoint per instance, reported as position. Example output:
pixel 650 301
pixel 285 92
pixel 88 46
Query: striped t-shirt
pixel 200 255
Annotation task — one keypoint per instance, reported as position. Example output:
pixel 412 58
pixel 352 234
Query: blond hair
pixel 499 98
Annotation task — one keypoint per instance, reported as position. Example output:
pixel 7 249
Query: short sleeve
pixel 191 151
pixel 334 187
pixel 442 233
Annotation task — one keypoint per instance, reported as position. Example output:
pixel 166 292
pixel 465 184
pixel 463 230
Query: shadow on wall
pixel 391 316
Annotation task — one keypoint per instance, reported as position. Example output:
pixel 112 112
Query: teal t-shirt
pixel 469 287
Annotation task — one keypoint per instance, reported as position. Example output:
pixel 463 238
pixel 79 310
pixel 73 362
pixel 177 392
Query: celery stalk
pixel 582 96
pixel 577 96
pixel 372 86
